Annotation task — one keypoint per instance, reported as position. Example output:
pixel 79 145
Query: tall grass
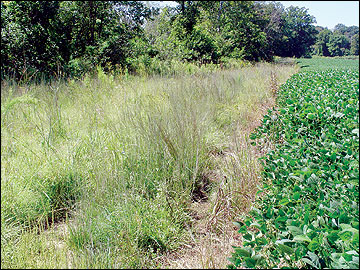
pixel 118 160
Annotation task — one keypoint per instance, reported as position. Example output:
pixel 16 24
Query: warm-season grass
pixel 102 172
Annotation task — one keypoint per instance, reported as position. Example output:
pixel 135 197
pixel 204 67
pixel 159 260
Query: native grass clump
pixel 100 172
pixel 307 214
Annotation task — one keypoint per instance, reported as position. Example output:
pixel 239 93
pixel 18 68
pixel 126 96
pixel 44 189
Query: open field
pixel 103 172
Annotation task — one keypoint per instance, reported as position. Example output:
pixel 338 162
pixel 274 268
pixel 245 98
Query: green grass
pixel 116 160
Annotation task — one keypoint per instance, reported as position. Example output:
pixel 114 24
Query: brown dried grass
pixel 237 176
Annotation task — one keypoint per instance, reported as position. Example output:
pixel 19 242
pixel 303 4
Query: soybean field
pixel 307 212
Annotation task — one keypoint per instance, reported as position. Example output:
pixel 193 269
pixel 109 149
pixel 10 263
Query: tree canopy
pixel 70 38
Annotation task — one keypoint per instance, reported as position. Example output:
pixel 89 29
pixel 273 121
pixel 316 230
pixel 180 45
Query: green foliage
pixel 30 35
pixel 323 63
pixel 321 46
pixel 54 39
pixel 340 42
pixel 308 215
pixel 70 38
pixel 298 32
pixel 271 23
pixel 354 48
pixel 50 38
pixel 338 45
pixel 239 25
pixel 348 31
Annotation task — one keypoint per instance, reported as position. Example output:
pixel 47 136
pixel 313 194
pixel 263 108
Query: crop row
pixel 307 213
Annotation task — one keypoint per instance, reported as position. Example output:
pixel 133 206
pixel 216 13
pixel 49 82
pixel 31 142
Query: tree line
pixel 70 38
pixel 340 42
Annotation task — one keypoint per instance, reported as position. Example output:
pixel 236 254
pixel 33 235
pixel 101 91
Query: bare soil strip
pixel 213 234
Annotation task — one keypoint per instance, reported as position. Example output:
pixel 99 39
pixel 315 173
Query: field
pixel 308 214
pixel 326 63
pixel 102 172
pixel 131 171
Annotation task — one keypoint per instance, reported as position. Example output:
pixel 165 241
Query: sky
pixel 327 13
pixel 330 13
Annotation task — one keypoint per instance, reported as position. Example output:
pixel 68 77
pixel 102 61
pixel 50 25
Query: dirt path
pixel 213 233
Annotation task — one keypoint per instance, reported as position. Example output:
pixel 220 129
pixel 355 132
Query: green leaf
pixel 338 115
pixel 345 226
pixel 306 260
pixel 269 213
pixel 300 252
pixel 242 252
pixel 285 248
pixel 250 262
pixel 311 116
pixel 340 263
pixel 355 240
pixel 313 259
pixel 243 229
pixel 296 188
pixel 296 196
pixel 347 257
pixel 252 136
pixel 332 237
pixel 255 224
pixel 302 238
pixel 344 218
pixel 261 241
pixel 248 236
pixel 258 258
pixel 231 259
pixel 234 261
pixel 289 101
pixel 352 252
pixel 313 245
pixel 345 235
pixel 284 201
pixel 333 157
pixel 295 230
pixel 281 219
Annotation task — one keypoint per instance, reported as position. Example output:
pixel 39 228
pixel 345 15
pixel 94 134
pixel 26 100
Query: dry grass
pixel 213 234
pixel 237 176
pixel 206 249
